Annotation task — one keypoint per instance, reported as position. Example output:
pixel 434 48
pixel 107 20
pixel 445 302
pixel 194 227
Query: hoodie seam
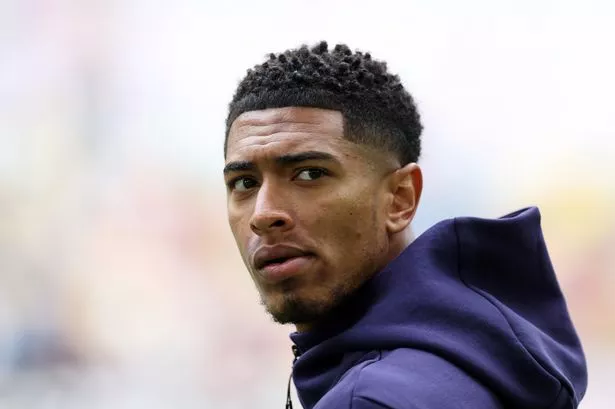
pixel 371 400
pixel 475 290
pixel 354 387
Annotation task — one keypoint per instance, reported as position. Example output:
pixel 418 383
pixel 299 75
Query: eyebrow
pixel 284 160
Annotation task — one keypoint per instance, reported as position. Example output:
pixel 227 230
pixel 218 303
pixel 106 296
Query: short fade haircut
pixel 376 108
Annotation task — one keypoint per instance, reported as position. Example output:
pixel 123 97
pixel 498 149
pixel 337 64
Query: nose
pixel 270 212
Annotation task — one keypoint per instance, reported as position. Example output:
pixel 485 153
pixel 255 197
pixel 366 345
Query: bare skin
pixel 314 215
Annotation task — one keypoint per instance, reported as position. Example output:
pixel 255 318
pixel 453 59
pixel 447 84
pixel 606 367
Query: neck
pixel 398 243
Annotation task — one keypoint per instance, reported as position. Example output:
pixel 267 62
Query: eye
pixel 311 174
pixel 242 184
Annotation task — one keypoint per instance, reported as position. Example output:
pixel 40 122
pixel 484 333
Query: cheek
pixel 242 233
pixel 351 220
pixel 239 225
pixel 233 222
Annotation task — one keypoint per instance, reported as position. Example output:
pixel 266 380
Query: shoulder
pixel 414 379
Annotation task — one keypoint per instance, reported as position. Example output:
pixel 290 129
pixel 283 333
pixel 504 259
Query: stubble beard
pixel 295 310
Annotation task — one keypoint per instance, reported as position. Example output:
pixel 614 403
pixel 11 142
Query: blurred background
pixel 120 283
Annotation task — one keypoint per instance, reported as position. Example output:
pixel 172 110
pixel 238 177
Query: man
pixel 321 166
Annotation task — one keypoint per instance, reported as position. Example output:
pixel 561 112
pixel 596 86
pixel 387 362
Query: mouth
pixel 281 269
pixel 279 254
pixel 278 263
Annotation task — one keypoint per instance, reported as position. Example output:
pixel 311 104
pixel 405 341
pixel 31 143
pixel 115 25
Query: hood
pixel 480 293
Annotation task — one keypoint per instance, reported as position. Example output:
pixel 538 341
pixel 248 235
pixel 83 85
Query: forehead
pixel 272 132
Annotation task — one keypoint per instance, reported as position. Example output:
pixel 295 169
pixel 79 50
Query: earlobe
pixel 406 188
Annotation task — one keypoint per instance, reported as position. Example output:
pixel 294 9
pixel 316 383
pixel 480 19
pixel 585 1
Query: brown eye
pixel 310 174
pixel 243 184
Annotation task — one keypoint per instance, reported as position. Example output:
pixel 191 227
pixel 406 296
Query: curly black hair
pixel 376 108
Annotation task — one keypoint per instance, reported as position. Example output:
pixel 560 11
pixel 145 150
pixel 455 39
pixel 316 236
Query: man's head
pixel 321 150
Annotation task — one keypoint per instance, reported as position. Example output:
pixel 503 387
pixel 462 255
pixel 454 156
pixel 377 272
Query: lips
pixel 266 256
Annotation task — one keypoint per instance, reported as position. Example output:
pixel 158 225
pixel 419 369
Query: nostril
pixel 268 223
pixel 278 223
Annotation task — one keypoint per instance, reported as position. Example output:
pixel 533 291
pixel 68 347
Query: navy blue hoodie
pixel 470 315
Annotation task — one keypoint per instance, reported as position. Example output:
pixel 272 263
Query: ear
pixel 406 185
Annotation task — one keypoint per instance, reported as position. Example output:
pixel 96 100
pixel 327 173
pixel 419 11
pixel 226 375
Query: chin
pixel 296 307
pixel 292 309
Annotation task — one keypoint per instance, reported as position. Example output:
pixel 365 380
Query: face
pixel 308 208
